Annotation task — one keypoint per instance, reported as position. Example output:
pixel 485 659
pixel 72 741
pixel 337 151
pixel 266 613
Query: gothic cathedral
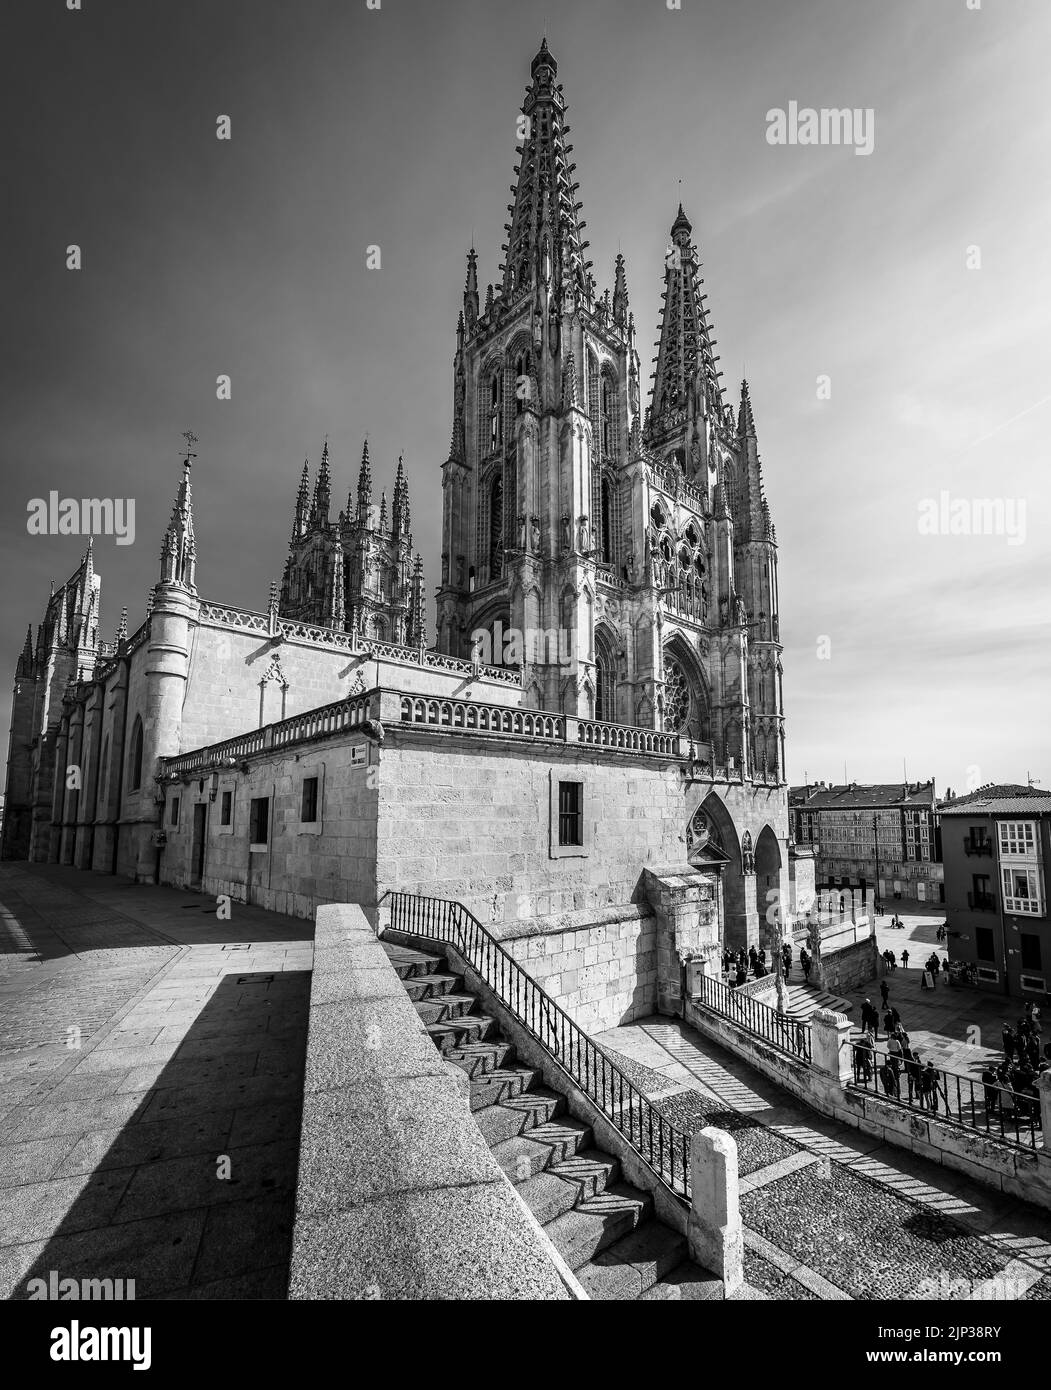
pixel 633 554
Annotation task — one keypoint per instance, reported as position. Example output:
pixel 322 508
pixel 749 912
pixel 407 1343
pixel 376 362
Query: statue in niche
pixel 459 571
pixel 522 531
pixel 535 525
pixel 747 856
pixel 567 535
pixel 584 536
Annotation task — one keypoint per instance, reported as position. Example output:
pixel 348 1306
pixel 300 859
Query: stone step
pixel 556 1190
pixel 495 1087
pixel 409 963
pixel 543 1147
pixel 519 1115
pixel 580 1234
pixel 458 1032
pixel 447 1007
pixel 431 986
pixel 632 1265
pixel 479 1058
pixel 687 1281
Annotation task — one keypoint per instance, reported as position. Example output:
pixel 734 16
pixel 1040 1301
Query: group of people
pixel 1010 1088
pixel 738 965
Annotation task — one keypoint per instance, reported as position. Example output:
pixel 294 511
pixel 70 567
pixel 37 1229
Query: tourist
pixel 929 1082
pixel 1008 1035
pixel 892 958
pixel 884 991
pixel 905 958
pixel 913 1073
pixel 889 1020
pixel 888 1079
pixel 863 1053
pixel 992 1094
pixel 805 962
pixel 869 1018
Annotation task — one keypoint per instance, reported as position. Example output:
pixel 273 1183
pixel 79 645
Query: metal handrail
pixel 787 1032
pixel 958 1099
pixel 662 1146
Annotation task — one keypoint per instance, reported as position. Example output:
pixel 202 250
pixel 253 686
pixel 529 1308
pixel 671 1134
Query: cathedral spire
pixel 745 422
pixel 685 364
pixel 179 551
pixel 620 293
pixel 338 609
pixel 299 525
pixel 322 491
pixel 25 661
pixel 364 484
pixel 417 633
pixel 122 626
pixel 383 511
pixel 470 290
pixel 545 230
pixel 401 502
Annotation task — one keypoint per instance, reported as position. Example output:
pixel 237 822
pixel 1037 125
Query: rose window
pixel 676 697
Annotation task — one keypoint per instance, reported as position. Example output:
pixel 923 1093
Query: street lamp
pixel 875 849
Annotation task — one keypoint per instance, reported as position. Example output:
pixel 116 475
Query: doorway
pixel 200 821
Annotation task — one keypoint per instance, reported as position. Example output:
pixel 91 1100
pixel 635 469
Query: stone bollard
pixel 1043 1086
pixel 714 1232
pixel 830 1044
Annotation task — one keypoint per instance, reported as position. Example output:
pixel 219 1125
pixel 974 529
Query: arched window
pixel 607 522
pixel 676 697
pixel 605 680
pixel 609 417
pixel 496 527
pixel 135 765
pixel 522 381
pixel 496 429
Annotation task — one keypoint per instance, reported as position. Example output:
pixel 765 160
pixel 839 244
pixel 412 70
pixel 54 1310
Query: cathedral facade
pixel 633 552
pixel 320 749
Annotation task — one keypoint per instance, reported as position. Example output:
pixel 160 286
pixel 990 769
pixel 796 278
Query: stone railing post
pixel 830 1044
pixel 714 1231
pixel 1043 1085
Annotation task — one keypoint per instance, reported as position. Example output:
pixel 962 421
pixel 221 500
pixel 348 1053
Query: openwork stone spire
pixel 685 358
pixel 179 551
pixel 545 231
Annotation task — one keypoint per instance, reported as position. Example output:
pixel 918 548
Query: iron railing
pixel 788 1032
pixel 993 1109
pixel 658 1143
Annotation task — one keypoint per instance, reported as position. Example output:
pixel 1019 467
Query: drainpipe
pixel 1000 901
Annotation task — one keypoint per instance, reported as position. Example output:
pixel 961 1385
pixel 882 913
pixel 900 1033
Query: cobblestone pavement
pixel 830 1213
pixel 158 1142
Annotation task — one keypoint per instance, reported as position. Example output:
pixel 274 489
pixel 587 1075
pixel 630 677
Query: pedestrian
pixel 929 1082
pixel 869 1017
pixel 893 959
pixel 863 1052
pixel 888 1022
pixel 888 1080
pixel 992 1094
pixel 1008 1035
pixel 806 964
pixel 883 992
pixel 913 1073
pixel 905 959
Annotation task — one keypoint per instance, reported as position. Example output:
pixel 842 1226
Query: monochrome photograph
pixel 526 570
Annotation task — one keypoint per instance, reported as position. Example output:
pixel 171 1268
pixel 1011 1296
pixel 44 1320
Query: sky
pixel 889 309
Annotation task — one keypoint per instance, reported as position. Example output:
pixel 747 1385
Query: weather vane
pixel 191 440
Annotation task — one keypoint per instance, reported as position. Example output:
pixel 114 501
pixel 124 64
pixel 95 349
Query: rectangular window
pixel 984 944
pixel 175 810
pixel 309 807
pixel 1022 891
pixel 1018 838
pixel 259 820
pixel 226 815
pixel 570 813
pixel 1030 951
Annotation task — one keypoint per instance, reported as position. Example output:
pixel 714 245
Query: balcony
pixel 981 902
pixel 973 846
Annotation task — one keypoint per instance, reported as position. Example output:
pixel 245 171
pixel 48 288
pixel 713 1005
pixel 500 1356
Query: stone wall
pixel 387 1209
pixel 601 967
pixel 848 967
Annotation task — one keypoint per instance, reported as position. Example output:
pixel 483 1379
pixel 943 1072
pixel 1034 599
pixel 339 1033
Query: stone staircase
pixel 604 1228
